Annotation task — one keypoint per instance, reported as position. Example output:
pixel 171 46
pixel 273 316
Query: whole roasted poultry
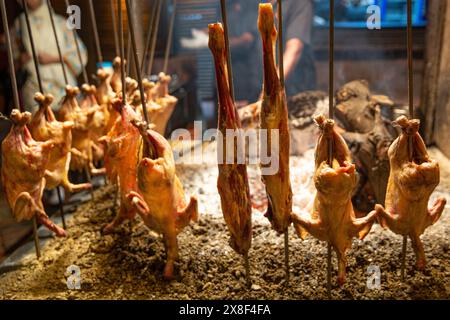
pixel 232 183
pixel 410 185
pixel 45 127
pixel 160 199
pixel 24 163
pixel 332 217
pixel 274 121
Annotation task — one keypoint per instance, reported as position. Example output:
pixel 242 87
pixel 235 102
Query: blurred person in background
pixel 299 67
pixel 47 53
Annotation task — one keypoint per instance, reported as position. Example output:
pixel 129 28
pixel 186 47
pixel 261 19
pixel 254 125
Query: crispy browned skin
pixel 159 117
pixel 274 116
pixel 99 121
pixel 116 80
pixel 104 95
pixel 122 147
pixel 24 161
pixel 161 200
pixel 45 127
pixel 70 110
pixel 232 182
pixel 410 186
pixel 332 218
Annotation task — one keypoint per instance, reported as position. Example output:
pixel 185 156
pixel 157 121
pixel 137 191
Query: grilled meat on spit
pixel 232 183
pixel 23 172
pixel 98 126
pixel 83 120
pixel 121 158
pixel 410 185
pixel 45 127
pixel 161 200
pixel 104 95
pixel 332 218
pixel 116 80
pixel 274 118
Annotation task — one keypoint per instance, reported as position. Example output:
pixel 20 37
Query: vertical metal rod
pixel 331 116
pixel 114 23
pixel 61 207
pixel 37 245
pixel 280 42
pixel 122 51
pixel 149 37
pixel 33 47
pixel 12 70
pixel 136 61
pixel 286 255
pixel 80 57
pixel 405 242
pixel 55 33
pixel 129 53
pixel 170 36
pixel 95 30
pixel 154 38
pixel 247 270
pixel 223 8
pixel 87 172
pixel 329 270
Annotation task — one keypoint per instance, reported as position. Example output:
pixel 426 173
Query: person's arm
pixel 244 40
pixel 292 55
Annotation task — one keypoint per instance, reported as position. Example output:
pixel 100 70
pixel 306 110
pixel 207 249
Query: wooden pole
pixel 122 51
pixel 149 37
pixel 114 23
pixel 280 42
pixel 61 207
pixel 37 245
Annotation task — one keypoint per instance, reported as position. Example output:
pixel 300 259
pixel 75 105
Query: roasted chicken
pixel 104 96
pixel 116 80
pixel 410 185
pixel 161 200
pixel 121 158
pixel 45 127
pixel 232 183
pixel 24 163
pixel 331 217
pixel 70 110
pixel 274 120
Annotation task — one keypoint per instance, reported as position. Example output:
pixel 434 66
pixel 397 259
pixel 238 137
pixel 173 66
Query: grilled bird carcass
pixel 83 119
pixel 161 200
pixel 274 119
pixel 104 96
pixel 410 185
pixel 24 163
pixel 232 183
pixel 45 127
pixel 332 217
pixel 121 158
pixel 98 125
pixel 116 80
pixel 160 94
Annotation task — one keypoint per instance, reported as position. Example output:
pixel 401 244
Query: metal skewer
pixel 12 72
pixel 33 47
pixel 114 23
pixel 122 51
pixel 80 57
pixel 411 111
pixel 223 9
pixel 331 116
pixel 149 36
pixel 16 101
pixel 61 58
pixel 170 36
pixel 154 37
pixel 129 53
pixel 281 75
pixel 136 62
pixel 95 30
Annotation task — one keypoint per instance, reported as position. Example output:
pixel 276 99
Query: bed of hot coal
pixel 129 263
